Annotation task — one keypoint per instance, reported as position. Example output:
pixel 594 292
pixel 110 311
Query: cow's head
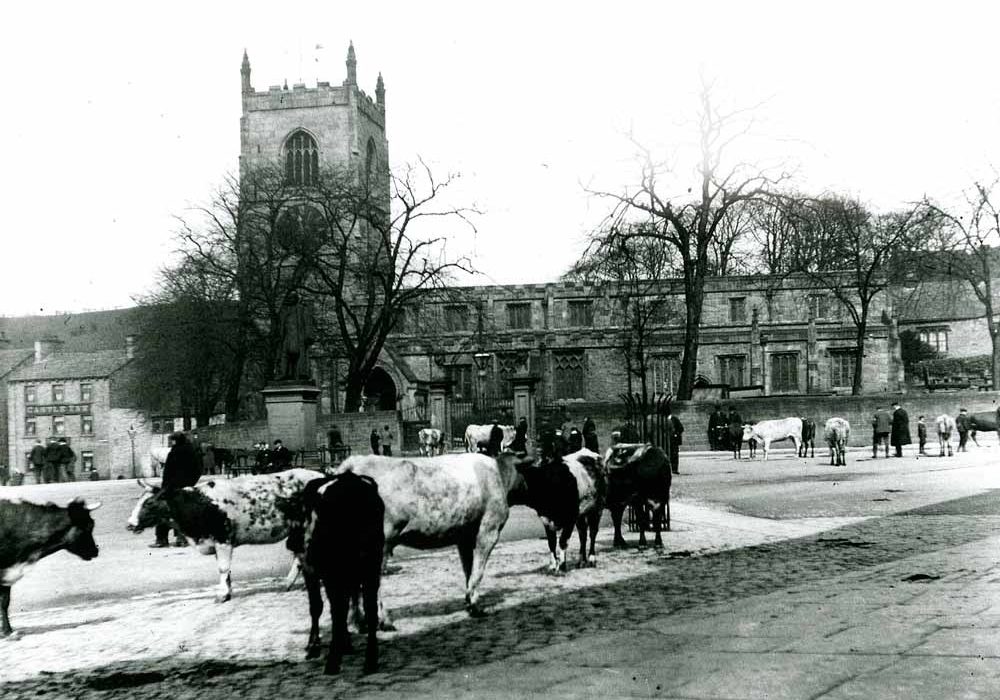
pixel 150 510
pixel 747 431
pixel 297 510
pixel 79 539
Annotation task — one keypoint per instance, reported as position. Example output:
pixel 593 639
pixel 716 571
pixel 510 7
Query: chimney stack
pixel 45 347
pixel 130 346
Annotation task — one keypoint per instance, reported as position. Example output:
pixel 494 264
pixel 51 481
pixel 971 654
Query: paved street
pixel 790 579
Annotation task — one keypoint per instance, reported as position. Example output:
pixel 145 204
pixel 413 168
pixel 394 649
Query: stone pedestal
pixel 291 414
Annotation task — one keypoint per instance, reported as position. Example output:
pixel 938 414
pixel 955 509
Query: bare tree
pixel 967 247
pixel 854 254
pixel 637 266
pixel 690 223
pixel 367 258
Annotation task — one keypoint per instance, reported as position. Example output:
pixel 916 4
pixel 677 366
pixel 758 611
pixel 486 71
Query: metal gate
pixel 646 420
pixel 482 410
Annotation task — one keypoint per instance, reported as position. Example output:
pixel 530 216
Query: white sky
pixel 118 116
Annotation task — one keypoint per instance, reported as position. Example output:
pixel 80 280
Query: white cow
pixel 431 442
pixel 158 458
pixel 945 429
pixel 477 436
pixel 432 502
pixel 836 433
pixel 768 431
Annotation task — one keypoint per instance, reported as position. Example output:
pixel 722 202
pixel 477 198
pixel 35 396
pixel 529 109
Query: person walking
pixel 37 460
pixel 520 442
pixel 386 441
pixel 881 428
pixel 374 440
pixel 676 435
pixel 590 435
pixel 963 424
pixel 900 428
pixel 180 471
pixel 922 434
pixel 67 461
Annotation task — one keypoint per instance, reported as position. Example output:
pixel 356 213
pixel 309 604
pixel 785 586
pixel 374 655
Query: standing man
pixel 676 432
pixel 575 440
pixel 496 440
pixel 881 427
pixel 590 435
pixel 921 434
pixel 900 428
pixel 963 424
pixel 67 461
pixel 716 423
pixel 281 458
pixel 53 454
pixel 520 442
pixel 386 441
pixel 180 471
pixel 37 460
pixel 373 439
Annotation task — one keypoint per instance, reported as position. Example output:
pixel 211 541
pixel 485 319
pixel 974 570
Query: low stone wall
pixel 857 410
pixel 354 427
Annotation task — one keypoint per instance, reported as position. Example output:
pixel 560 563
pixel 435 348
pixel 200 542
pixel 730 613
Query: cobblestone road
pixel 182 645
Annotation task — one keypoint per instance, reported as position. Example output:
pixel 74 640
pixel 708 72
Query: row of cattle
pixel 836 434
pixel 341 527
pixel 432 441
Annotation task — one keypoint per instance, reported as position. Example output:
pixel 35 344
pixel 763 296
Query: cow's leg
pixel 657 521
pixel 593 524
pixel 617 511
pixel 550 535
pixel 370 588
pixel 315 612
pixel 224 561
pixel 799 446
pixel 812 449
pixel 293 573
pixel 642 515
pixel 339 600
pixel 485 540
pixel 564 535
pixel 5 629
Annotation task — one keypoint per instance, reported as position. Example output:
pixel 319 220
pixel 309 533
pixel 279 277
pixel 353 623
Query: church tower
pixel 310 128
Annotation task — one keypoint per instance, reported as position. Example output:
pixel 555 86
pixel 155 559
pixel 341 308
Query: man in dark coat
pixel 590 435
pixel 375 441
pixel 900 429
pixel 716 424
pixel 180 471
pixel 50 474
pixel 281 458
pixel 67 461
pixel 520 442
pixel 575 440
pixel 881 427
pixel 496 440
pixel 734 426
pixel 38 460
pixel 963 424
pixel 676 437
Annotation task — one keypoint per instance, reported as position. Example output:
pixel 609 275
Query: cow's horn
pixel 94 506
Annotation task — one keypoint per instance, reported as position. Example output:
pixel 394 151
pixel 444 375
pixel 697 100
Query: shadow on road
pixel 678 584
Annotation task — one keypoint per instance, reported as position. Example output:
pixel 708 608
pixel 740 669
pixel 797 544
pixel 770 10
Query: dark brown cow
pixel 31 531
pixel 638 475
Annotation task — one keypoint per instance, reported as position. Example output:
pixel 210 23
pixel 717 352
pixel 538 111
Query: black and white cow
pixel 638 475
pixel 566 492
pixel 31 531
pixel 220 514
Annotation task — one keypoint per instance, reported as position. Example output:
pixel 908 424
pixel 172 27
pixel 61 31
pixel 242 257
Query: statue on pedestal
pixel 296 339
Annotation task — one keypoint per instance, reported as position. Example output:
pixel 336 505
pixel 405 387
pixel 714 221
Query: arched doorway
pixel 380 390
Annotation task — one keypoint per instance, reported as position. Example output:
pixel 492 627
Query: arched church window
pixel 370 159
pixel 301 159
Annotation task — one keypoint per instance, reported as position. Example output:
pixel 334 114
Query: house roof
pixel 80 332
pixel 10 359
pixel 73 365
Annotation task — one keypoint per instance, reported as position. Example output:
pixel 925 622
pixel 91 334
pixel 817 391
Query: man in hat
pixel 900 428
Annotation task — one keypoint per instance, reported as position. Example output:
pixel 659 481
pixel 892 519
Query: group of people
pixel 721 426
pixel 272 457
pixel 965 425
pixel 381 441
pixel 52 463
